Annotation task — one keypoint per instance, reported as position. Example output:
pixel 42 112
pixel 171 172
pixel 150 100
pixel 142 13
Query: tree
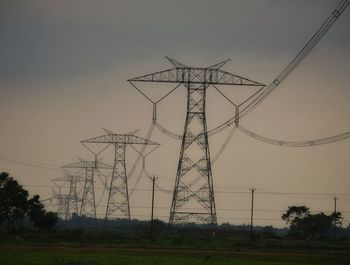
pixel 38 215
pixel 14 204
pixel 49 220
pixel 303 224
pixel 294 213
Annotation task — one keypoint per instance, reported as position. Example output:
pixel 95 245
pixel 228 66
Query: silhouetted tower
pixel 73 198
pixel 61 199
pixel 194 182
pixel 88 202
pixel 62 203
pixel 67 204
pixel 118 198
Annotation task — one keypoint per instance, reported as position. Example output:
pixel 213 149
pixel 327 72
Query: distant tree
pixel 268 229
pixel 48 220
pixel 159 227
pixel 38 215
pixel 293 217
pixel 295 213
pixel 303 224
pixel 35 210
pixel 14 203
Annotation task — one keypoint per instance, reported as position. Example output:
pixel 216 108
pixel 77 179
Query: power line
pixel 303 193
pixel 327 140
pixel 28 164
pixel 343 4
pixel 325 54
pixel 246 33
pixel 233 192
pixel 27 161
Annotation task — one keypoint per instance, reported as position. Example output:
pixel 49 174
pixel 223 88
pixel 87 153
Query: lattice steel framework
pixel 118 198
pixel 88 202
pixel 61 204
pixel 194 181
pixel 73 198
pixel 65 203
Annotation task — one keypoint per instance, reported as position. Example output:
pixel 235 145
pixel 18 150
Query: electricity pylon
pixel 194 181
pixel 88 202
pixel 67 204
pixel 73 198
pixel 61 203
pixel 118 198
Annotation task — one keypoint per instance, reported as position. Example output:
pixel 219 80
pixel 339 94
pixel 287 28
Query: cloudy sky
pixel 63 73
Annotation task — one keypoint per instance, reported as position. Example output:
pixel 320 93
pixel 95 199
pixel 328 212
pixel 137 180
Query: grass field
pixel 108 248
pixel 104 255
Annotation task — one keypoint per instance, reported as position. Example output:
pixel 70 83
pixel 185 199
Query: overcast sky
pixel 63 72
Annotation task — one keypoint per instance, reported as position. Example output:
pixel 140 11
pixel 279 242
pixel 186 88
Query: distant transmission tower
pixel 67 204
pixel 88 202
pixel 61 199
pixel 118 198
pixel 60 205
pixel 73 199
pixel 194 182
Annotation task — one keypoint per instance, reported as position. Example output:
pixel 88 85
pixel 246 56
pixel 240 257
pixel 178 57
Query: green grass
pixel 108 248
pixel 102 255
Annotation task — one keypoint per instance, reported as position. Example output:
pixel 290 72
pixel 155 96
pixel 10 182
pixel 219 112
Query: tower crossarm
pixel 72 177
pixel 175 62
pixel 119 139
pixel 197 75
pixel 60 179
pixel 61 196
pixel 88 164
pixel 226 78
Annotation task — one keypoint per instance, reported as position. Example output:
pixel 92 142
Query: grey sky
pixel 63 73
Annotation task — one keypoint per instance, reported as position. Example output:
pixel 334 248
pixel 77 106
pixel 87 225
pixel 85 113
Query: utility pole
pixel 335 222
pixel 153 184
pixel 252 190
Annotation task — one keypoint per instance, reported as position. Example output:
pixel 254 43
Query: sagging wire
pixel 265 91
pixel 327 140
pixel 140 156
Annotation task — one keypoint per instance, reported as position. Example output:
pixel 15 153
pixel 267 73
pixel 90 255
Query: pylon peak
pixel 175 63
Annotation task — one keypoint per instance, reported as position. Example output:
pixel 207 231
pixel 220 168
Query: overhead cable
pixel 327 140
pixel 263 93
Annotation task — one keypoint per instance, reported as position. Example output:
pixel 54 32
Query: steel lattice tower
pixel 194 181
pixel 118 198
pixel 88 202
pixel 73 198
pixel 64 201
